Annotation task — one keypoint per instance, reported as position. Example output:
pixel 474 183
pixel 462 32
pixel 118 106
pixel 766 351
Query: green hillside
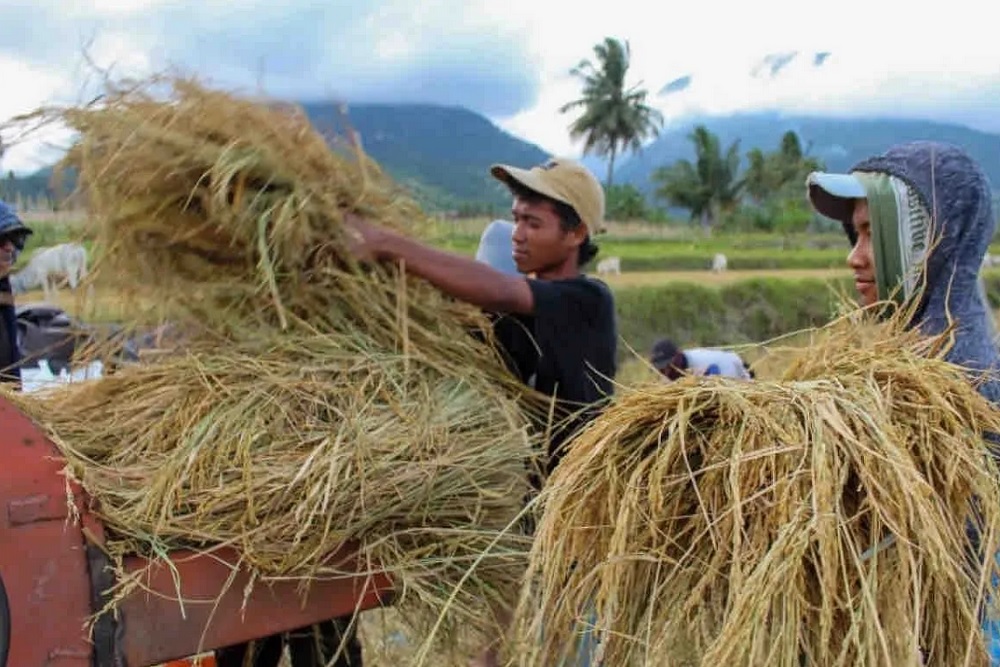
pixel 443 153
pixel 838 142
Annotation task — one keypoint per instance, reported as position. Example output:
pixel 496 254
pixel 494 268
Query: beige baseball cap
pixel 564 180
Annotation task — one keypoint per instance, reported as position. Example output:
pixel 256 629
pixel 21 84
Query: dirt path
pixel 646 278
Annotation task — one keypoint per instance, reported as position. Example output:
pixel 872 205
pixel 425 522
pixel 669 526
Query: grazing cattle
pixel 719 263
pixel 610 265
pixel 66 260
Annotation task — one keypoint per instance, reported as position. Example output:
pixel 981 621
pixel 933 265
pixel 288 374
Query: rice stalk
pixel 229 211
pixel 312 400
pixel 817 517
pixel 292 447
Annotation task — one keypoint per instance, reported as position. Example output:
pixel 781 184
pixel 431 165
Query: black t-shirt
pixel 6 352
pixel 8 336
pixel 566 348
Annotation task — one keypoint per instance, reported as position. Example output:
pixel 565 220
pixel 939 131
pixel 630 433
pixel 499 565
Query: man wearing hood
pixel 921 205
pixel 13 234
pixel 919 218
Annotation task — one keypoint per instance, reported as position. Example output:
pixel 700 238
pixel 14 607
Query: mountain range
pixel 838 142
pixel 443 154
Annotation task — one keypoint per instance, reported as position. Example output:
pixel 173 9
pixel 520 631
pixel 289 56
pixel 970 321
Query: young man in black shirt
pixel 555 325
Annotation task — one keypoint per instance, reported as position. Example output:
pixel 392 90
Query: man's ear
pixel 578 235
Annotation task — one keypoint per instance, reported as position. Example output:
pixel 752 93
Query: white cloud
pixel 120 53
pixel 35 87
pixel 893 62
pixel 886 57
pixel 846 81
pixel 27 86
pixel 120 6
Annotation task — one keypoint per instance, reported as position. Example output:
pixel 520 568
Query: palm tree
pixel 757 180
pixel 615 118
pixel 781 173
pixel 707 186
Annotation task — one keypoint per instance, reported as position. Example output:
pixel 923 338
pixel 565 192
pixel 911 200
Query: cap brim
pixel 531 180
pixel 19 233
pixel 16 228
pixel 833 195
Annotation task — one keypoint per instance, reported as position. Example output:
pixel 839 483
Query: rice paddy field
pixel 653 317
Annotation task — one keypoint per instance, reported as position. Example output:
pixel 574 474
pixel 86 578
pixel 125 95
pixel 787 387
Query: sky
pixel 510 60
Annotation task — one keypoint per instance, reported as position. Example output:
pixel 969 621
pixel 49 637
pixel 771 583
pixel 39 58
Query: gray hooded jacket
pixel 930 206
pixel 953 189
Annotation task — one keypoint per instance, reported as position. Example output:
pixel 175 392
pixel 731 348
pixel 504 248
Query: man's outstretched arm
pixel 465 279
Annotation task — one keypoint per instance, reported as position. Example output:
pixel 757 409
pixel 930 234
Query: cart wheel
pixel 4 625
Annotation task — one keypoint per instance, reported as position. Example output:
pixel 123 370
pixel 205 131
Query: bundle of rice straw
pixel 288 449
pixel 221 208
pixel 317 401
pixel 816 518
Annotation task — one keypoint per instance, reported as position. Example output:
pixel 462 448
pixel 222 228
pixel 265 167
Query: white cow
pixel 46 266
pixel 610 265
pixel 719 263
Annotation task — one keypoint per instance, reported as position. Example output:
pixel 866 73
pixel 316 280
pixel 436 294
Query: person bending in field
pixel 919 218
pixel 673 362
pixel 555 326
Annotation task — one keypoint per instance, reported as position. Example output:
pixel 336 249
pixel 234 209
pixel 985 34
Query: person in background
pixel 13 235
pixel 673 362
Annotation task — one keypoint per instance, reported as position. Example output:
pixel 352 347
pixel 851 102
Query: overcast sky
pixel 509 59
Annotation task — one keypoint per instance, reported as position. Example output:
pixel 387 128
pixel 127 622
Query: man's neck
pixel 565 271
